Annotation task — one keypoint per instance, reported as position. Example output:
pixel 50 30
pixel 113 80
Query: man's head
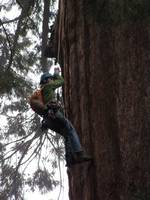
pixel 45 77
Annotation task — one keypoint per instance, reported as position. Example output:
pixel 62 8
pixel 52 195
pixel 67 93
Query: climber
pixel 44 103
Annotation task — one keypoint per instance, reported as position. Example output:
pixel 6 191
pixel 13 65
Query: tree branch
pixel 10 21
pixel 24 13
pixel 7 36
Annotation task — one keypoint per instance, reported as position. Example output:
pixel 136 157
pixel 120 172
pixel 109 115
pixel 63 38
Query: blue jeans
pixel 63 126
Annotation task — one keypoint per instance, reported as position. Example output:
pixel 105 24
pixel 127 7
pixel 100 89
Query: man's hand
pixel 56 71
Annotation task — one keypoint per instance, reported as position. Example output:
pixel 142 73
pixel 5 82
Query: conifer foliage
pixel 22 143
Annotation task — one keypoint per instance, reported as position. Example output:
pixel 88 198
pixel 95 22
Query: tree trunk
pixel 105 50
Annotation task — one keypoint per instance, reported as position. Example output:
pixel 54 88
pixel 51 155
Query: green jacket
pixel 48 90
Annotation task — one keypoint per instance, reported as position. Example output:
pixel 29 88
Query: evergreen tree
pixel 22 142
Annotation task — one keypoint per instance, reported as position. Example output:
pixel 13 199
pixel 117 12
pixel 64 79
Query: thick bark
pixel 107 95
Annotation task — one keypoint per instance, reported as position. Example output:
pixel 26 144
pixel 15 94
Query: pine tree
pixel 22 142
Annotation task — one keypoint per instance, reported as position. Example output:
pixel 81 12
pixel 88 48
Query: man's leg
pixel 60 125
pixel 74 150
pixel 70 132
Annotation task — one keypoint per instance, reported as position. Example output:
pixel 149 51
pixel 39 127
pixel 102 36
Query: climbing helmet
pixel 44 77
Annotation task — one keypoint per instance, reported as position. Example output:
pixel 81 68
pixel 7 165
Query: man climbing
pixel 44 103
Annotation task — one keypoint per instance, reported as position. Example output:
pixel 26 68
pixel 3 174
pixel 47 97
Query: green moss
pixel 90 7
pixel 138 193
pixel 137 10
pixel 118 11
pixel 140 196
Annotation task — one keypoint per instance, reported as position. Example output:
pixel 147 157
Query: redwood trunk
pixel 107 97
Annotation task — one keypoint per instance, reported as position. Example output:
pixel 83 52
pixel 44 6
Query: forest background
pixel 26 164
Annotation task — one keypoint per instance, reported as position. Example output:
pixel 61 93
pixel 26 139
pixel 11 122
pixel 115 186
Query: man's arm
pixel 57 81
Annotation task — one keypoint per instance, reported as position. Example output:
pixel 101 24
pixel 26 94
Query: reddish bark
pixel 107 97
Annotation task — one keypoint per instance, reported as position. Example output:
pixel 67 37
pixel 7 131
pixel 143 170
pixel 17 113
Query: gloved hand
pixel 49 112
pixel 56 71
